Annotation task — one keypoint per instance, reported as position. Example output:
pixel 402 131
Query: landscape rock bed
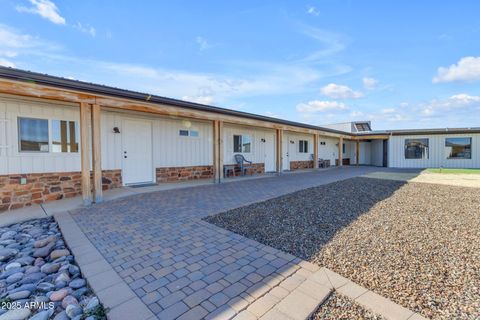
pixel 414 243
pixel 340 307
pixel 38 276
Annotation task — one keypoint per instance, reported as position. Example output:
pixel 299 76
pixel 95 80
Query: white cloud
pixel 199 99
pixel 330 43
pixel 86 29
pixel 202 43
pixel 14 44
pixel 44 8
pixel 369 83
pixel 313 11
pixel 337 91
pixel 320 106
pixel 6 63
pixel 460 103
pixel 388 110
pixel 467 69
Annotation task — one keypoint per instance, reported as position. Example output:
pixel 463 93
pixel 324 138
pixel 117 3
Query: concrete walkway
pixel 150 256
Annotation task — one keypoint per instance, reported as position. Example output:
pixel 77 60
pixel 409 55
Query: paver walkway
pixel 181 266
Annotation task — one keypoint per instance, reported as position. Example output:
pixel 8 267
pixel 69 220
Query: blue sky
pixel 400 64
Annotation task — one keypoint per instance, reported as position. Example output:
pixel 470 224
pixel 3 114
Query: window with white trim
pixel 64 136
pixel 242 143
pixel 303 146
pixel 33 135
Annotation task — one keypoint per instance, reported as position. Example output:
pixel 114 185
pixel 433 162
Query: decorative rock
pixel 69 300
pixel 42 315
pixel 8 235
pixel 15 277
pixel 44 251
pixel 73 270
pixel 80 292
pixel 61 316
pixel 25 260
pixel 77 283
pixel 30 287
pixel 43 242
pixel 39 262
pixel 16 314
pixel 60 284
pixel 12 265
pixel 32 269
pixel 73 311
pixel 50 268
pixel 59 253
pixel 8 273
pixel 19 295
pixel 6 254
pixel 62 277
pixel 33 277
pixel 45 286
pixel 92 304
pixel 58 295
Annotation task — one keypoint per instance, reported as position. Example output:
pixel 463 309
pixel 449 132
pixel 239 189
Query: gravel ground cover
pixel 417 244
pixel 39 279
pixel 339 307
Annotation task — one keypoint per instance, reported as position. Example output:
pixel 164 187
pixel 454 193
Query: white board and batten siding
pixel 291 148
pixel 13 161
pixel 438 153
pixel 329 150
pixel 169 149
pixel 262 147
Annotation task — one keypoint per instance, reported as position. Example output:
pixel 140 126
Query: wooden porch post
pixel 315 151
pixel 358 153
pixel 96 155
pixel 85 153
pixel 278 150
pixel 340 152
pixel 218 151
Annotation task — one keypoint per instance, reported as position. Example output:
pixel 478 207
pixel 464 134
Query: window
pixel 416 148
pixel 303 146
pixel 33 134
pixel 343 148
pixel 186 133
pixel 242 143
pixel 459 148
pixel 193 133
pixel 363 126
pixel 64 136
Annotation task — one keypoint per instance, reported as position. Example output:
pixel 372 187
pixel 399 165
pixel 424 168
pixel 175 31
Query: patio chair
pixel 243 163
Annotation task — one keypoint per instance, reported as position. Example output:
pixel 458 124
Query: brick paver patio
pixel 182 267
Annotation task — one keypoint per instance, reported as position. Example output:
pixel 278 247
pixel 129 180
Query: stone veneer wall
pixel 298 165
pixel 257 168
pixel 44 187
pixel 171 174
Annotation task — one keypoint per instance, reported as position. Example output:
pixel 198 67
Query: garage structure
pixel 60 138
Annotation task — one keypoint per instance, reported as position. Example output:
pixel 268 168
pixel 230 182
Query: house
pixel 60 138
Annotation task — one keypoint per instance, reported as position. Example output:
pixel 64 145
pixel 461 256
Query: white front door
pixel 269 152
pixel 137 152
pixel 286 154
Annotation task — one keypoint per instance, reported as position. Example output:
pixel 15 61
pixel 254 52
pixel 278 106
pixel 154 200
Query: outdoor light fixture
pixel 116 130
